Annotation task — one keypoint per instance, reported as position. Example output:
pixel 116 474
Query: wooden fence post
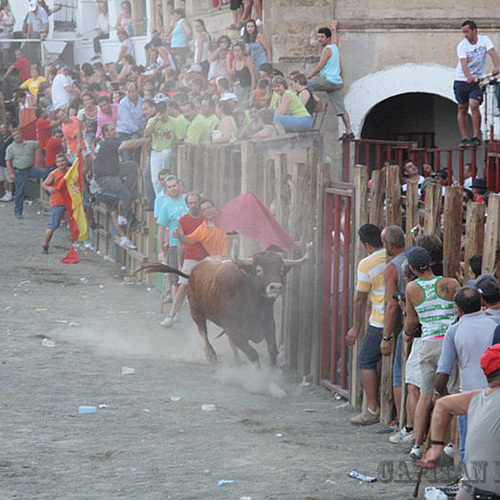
pixel 474 232
pixel 199 170
pixel 281 172
pixel 433 208
pixel 377 197
pixel 452 238
pixel 361 176
pixel 411 209
pixel 322 182
pixel 393 197
pixel 296 225
pixel 490 264
pixel 248 166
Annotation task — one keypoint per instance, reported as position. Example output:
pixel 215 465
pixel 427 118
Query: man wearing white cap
pixel 37 23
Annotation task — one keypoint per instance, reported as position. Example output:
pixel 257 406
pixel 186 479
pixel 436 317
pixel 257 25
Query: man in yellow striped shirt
pixel 370 287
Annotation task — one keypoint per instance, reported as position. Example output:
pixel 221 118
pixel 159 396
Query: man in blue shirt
pixel 130 119
pixel 172 209
pixel 330 80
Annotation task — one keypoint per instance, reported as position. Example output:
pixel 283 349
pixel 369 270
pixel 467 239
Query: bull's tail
pixel 157 267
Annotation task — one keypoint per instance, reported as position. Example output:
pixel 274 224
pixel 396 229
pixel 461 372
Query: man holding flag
pixel 52 185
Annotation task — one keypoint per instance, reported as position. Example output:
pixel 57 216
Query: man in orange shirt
pixel 72 133
pixel 57 205
pixel 213 239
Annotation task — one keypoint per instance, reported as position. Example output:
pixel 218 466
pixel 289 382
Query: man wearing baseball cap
pixel 483 440
pixel 429 301
pixel 489 288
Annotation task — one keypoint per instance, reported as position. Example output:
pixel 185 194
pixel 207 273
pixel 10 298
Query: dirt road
pixel 142 445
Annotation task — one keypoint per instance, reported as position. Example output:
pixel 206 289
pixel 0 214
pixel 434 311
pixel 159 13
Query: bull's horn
pixel 302 260
pixel 243 262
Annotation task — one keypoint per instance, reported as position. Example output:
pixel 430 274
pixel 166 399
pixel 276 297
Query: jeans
pixel 159 161
pixel 20 184
pixel 126 190
pixel 397 369
pixel 148 187
pixel 293 122
pixel 462 427
pixel 130 154
pixel 9 84
pixel 97 40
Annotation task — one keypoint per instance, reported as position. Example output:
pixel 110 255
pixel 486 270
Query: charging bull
pixel 237 295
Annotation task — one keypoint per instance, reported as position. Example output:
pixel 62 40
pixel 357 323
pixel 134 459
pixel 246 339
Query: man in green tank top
pixel 429 301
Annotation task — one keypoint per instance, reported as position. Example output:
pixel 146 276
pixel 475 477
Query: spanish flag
pixel 71 187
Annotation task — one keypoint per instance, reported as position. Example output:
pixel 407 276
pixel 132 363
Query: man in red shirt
pixel 188 255
pixel 22 67
pixel 44 128
pixel 53 148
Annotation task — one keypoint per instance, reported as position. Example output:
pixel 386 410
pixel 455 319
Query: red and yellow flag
pixel 71 188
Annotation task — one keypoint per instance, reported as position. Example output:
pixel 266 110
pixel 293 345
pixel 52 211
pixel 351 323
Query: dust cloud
pixel 127 336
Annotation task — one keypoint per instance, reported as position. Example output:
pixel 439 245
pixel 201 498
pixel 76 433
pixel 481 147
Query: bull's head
pixel 268 270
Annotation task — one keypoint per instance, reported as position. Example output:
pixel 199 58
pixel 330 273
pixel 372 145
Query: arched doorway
pixel 428 119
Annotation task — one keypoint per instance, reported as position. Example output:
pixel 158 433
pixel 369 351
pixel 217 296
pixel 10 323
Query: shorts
pixel 413 373
pixel 173 262
pixel 465 91
pixel 397 369
pixel 369 354
pixel 187 267
pixel 5 175
pixel 430 351
pixel 236 4
pixel 333 90
pixel 56 215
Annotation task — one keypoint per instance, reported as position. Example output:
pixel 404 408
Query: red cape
pixel 248 216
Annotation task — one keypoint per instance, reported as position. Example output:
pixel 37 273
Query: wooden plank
pixel 248 170
pixel 322 181
pixel 474 232
pixel 490 264
pixel 208 174
pixel 433 209
pixel 198 171
pixel 235 173
pixel 269 186
pixel 411 209
pixel 361 216
pixel 377 197
pixel 452 238
pixel 281 172
pixel 181 162
pixel 293 295
pixel 393 197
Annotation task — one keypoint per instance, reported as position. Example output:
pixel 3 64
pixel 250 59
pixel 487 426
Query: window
pixel 65 18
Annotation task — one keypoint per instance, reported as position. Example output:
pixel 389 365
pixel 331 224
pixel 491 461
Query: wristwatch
pixel 386 339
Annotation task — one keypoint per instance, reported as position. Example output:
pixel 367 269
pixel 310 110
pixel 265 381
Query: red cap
pixel 490 360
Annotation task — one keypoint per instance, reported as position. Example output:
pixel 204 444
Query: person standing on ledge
pixel 330 80
pixel 471 66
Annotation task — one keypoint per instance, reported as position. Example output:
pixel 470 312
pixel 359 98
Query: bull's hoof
pixel 212 357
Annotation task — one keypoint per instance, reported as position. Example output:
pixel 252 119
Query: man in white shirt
pixel 471 66
pixel 102 28
pixel 62 88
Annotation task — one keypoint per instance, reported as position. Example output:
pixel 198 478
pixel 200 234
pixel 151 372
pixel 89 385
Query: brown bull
pixel 237 296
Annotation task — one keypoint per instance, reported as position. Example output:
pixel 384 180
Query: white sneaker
pixel 168 321
pixel 402 436
pixel 449 449
pixel 7 196
pixel 122 221
pixel 258 23
pixel 177 318
pixel 417 451
pixel 126 243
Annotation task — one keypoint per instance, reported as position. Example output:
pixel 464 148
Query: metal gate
pixel 338 259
